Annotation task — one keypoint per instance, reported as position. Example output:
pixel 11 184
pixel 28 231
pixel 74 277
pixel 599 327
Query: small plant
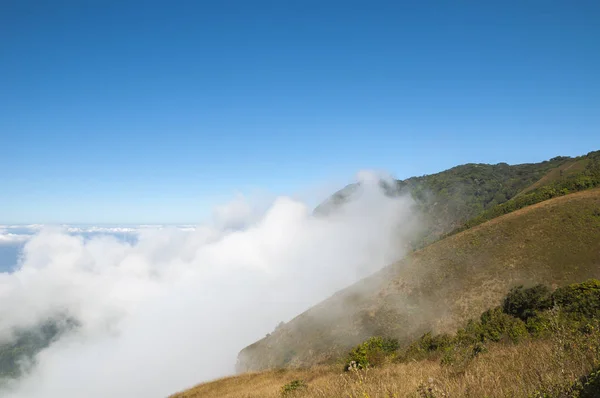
pixel 293 387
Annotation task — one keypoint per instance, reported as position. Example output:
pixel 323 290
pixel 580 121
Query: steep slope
pixel 444 284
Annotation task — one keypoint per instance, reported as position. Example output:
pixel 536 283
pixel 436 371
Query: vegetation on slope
pixel 468 195
pixel 451 197
pixel 18 354
pixel 587 177
pixel 441 286
pixel 535 344
pixel 525 313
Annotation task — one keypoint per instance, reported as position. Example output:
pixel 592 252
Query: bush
pixel 526 303
pixel 539 325
pixel 579 299
pixel 292 387
pixel 427 345
pixel 430 343
pixel 371 352
pixel 496 326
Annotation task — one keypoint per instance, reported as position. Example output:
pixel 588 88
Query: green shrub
pixel 496 326
pixel 292 387
pixel 539 325
pixel 430 343
pixel 525 303
pixel 371 352
pixel 579 299
pixel 472 333
pixel 427 346
pixel 493 325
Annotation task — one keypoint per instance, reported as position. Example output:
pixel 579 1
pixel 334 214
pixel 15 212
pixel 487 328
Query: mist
pixel 173 307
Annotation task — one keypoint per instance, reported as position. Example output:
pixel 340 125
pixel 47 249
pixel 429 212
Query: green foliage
pixel 371 352
pixel 579 299
pixel 427 346
pixel 539 326
pixel 497 326
pixel 429 342
pixel 292 387
pixel 493 325
pixel 526 303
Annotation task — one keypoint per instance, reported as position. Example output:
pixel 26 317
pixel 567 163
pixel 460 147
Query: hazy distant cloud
pixel 174 307
pixel 12 234
pixel 9 238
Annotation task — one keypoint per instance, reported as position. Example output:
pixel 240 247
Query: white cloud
pixel 373 176
pixel 175 307
pixel 9 238
pixel 237 214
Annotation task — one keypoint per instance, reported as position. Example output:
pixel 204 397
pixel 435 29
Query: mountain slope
pixel 453 197
pixel 577 175
pixel 444 284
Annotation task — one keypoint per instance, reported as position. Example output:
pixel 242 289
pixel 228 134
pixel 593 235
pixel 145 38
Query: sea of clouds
pixel 162 308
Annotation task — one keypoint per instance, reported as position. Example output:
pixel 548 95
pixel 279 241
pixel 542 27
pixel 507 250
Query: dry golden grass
pixel 504 371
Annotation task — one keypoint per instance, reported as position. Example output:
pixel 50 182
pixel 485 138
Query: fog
pixel 174 307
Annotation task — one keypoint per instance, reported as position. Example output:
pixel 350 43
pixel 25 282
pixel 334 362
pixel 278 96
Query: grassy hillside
pixel 513 371
pixel 441 286
pixel 538 343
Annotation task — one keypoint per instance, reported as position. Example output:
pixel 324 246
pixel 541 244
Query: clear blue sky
pixel 151 111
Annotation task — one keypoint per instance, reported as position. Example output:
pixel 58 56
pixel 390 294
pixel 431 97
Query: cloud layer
pixel 174 307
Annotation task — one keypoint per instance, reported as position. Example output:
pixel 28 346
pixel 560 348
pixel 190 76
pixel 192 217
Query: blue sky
pixel 121 111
